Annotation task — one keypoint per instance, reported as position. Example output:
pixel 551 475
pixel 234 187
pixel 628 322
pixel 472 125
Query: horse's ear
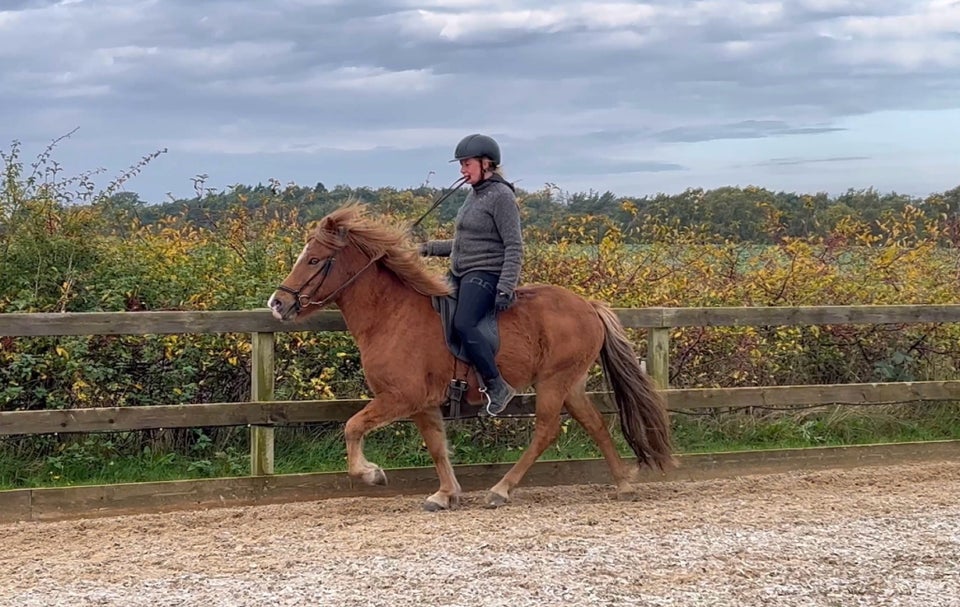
pixel 330 225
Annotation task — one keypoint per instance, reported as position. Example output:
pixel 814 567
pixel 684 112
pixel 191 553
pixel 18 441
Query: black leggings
pixel 478 291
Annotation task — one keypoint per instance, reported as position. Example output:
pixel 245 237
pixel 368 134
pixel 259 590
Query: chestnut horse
pixel 548 339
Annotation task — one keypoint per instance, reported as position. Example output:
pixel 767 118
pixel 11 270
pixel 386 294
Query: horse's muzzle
pixel 281 310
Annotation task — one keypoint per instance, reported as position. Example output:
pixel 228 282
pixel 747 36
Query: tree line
pixel 741 214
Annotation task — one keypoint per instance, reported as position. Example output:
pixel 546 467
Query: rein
pixel 453 188
pixel 302 300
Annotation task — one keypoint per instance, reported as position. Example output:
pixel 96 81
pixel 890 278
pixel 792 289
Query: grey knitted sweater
pixel 486 235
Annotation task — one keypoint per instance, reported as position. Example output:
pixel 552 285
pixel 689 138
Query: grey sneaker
pixel 498 393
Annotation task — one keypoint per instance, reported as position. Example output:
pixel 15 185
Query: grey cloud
pixel 747 129
pixel 19 5
pixel 780 162
pixel 663 75
pixel 592 166
pixel 818 10
pixel 621 167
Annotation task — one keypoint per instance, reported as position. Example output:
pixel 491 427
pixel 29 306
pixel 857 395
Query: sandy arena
pixel 867 536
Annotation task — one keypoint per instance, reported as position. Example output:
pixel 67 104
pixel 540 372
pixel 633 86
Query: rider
pixel 485 254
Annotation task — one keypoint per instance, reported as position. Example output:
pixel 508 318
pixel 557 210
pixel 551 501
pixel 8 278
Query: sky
pixel 636 98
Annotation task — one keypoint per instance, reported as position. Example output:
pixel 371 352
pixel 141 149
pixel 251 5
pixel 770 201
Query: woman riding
pixel 485 253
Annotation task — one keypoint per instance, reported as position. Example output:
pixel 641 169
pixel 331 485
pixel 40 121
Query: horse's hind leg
pixel 550 396
pixel 430 423
pixel 582 409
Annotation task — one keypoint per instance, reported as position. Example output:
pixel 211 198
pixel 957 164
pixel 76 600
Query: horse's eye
pixel 314 261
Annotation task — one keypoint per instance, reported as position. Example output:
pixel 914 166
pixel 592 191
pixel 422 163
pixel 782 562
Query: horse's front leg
pixel 376 414
pixel 430 423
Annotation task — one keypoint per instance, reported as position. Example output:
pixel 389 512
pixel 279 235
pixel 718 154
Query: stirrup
pixel 487 406
pixel 486 395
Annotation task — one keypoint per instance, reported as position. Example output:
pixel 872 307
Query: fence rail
pixel 261 321
pixel 280 413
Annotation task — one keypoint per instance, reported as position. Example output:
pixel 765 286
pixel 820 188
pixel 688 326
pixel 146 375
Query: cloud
pixel 780 162
pixel 747 129
pixel 593 165
pixel 484 23
pixel 247 139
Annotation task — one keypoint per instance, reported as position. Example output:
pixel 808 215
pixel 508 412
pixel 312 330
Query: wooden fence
pixel 263 413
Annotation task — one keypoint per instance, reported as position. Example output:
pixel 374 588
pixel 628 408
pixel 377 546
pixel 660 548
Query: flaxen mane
pixel 376 238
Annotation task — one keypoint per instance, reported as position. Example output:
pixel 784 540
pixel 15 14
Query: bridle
pixel 302 300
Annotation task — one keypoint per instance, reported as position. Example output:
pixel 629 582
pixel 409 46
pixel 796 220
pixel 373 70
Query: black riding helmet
pixel 477 146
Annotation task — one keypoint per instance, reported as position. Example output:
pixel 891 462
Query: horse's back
pixel 549 297
pixel 560 318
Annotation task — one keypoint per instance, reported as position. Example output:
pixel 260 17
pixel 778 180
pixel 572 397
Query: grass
pixel 169 455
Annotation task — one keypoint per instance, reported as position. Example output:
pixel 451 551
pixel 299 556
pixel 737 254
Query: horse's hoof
pixel 495 500
pixel 629 494
pixel 433 506
pixel 438 502
pixel 375 477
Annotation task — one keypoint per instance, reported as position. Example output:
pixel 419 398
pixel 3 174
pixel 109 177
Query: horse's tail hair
pixel 643 412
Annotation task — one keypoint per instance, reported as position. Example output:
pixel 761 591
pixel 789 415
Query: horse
pixel 550 337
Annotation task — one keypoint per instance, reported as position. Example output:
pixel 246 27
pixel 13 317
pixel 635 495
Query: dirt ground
pixel 867 536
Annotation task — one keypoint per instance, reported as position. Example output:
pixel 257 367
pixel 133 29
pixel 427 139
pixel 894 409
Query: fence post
pixel 261 389
pixel 658 356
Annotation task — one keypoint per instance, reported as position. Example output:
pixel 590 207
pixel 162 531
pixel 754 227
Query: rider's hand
pixel 504 300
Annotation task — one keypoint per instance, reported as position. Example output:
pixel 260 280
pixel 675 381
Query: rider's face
pixel 472 169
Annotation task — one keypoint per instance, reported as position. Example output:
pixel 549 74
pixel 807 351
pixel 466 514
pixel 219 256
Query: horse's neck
pixel 375 296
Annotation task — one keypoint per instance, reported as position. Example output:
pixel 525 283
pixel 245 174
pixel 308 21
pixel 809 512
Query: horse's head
pixel 327 265
pixel 340 249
